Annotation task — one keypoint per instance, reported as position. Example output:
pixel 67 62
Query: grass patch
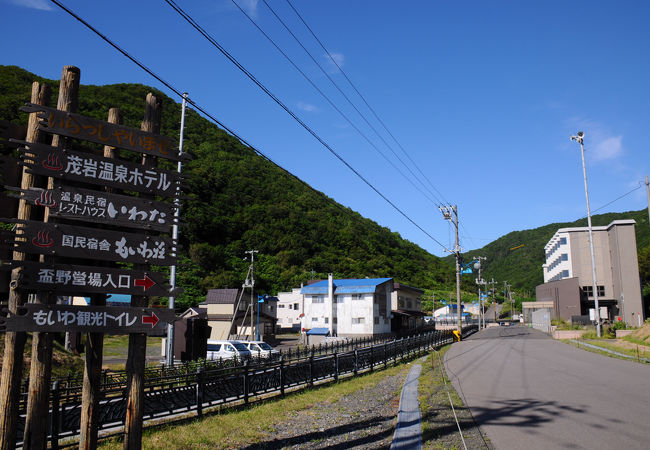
pixel 617 348
pixel 237 427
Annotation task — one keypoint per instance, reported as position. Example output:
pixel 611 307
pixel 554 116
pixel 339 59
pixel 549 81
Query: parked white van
pixel 260 349
pixel 227 350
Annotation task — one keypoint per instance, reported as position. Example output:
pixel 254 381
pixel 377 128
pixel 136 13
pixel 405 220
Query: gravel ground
pixel 363 420
pixel 366 419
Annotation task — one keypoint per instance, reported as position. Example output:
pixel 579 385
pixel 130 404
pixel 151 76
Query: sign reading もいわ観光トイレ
pixel 99 319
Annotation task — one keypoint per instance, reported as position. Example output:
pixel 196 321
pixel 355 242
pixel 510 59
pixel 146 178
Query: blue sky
pixel 482 96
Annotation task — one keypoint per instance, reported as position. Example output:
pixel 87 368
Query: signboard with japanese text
pixel 101 207
pixel 94 130
pixel 97 319
pixel 76 279
pixel 93 243
pixel 85 167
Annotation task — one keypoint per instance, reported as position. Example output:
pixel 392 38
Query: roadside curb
pixel 408 432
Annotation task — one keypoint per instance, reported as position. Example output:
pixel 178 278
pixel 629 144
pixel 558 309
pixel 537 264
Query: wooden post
pixel 91 394
pixel 12 362
pixel 135 364
pixel 35 436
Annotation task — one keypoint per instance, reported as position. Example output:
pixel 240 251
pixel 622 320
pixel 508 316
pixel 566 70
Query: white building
pixel 290 310
pixel 352 307
pixel 568 276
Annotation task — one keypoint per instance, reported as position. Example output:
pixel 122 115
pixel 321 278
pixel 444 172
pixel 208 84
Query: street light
pixel 579 138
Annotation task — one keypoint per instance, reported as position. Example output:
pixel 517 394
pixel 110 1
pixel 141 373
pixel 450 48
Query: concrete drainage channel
pixel 622 355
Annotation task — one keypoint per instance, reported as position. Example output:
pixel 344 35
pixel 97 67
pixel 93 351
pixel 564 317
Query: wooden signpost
pixel 67 249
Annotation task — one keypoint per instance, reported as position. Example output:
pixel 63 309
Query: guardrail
pixel 206 386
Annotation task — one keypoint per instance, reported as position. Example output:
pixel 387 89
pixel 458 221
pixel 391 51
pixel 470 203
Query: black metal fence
pixel 187 388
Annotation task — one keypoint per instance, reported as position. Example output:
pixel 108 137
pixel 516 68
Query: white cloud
pixel 339 58
pixel 43 5
pixel 250 6
pixel 307 107
pixel 609 148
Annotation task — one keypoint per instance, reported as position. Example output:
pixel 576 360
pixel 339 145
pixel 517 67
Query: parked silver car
pixel 261 349
pixel 227 350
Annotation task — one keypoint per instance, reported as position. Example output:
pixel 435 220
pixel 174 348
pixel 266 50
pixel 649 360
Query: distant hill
pixel 239 201
pixel 522 267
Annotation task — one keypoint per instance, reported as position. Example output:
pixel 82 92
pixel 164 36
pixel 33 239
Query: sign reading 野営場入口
pixel 97 206
pixel 97 319
pixel 76 279
pixel 94 130
pixel 69 165
pixel 93 243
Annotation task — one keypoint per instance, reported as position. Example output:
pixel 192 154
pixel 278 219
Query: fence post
pixel 311 367
pixel 282 380
pixel 356 361
pixel 246 382
pixel 199 391
pixel 55 422
pixel 372 357
pixel 336 366
pixel 385 356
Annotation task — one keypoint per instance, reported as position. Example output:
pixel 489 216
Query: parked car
pixel 227 350
pixel 261 349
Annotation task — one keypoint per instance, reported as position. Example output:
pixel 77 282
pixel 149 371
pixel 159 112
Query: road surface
pixel 526 390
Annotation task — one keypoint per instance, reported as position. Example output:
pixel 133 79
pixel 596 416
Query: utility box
pixel 191 338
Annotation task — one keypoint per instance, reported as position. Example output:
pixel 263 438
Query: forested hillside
pixel 239 201
pixel 522 266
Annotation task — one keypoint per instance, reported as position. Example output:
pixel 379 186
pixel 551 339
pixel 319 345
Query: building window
pixel 563 241
pixel 335 320
pixel 565 257
pixel 357 296
pixel 409 304
pixel 317 299
pixel 376 320
pixel 601 291
pixel 358 320
pixel 282 306
pixel 400 303
pixel 295 306
pixel 327 320
pixel 339 299
pixel 565 274
pixel 314 319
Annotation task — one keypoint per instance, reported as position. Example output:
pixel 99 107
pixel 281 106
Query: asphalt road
pixel 526 390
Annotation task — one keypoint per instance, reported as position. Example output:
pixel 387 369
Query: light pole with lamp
pixel 579 138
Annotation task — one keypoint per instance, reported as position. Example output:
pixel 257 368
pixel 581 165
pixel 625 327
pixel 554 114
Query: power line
pixel 618 198
pixel 288 58
pixel 210 39
pixel 335 84
pixel 199 108
pixel 364 100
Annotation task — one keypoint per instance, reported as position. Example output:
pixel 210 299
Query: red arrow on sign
pixel 152 319
pixel 145 282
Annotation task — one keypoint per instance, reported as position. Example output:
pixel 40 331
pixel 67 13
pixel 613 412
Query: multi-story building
pixel 406 306
pixel 348 307
pixel 290 310
pixel 568 279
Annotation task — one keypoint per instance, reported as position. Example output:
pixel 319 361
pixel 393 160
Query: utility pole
pixel 647 191
pixel 579 138
pixel 169 354
pixel 480 281
pixel 451 213
pixel 252 286
pixel 494 300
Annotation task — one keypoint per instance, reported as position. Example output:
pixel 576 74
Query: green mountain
pixel 238 201
pixel 518 256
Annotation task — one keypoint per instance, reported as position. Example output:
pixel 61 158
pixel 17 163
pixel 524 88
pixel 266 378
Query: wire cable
pixel 232 59
pixel 364 100
pixel 309 80
pixel 180 94
pixel 335 84
pixel 641 183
